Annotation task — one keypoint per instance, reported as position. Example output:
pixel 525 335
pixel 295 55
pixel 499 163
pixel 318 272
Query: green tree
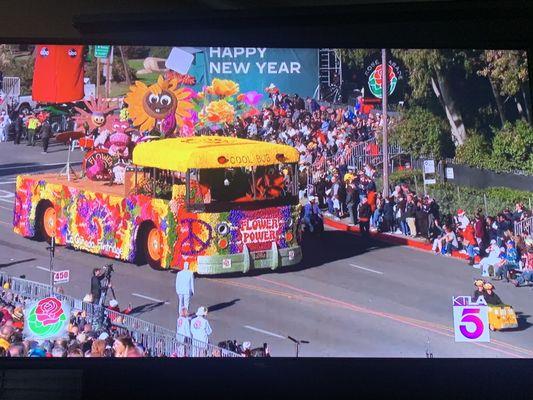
pixel 422 133
pixel 475 151
pixel 513 147
pixel 17 64
pixel 429 70
pixel 507 71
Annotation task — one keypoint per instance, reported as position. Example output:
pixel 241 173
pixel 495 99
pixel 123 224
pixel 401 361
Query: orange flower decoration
pixel 223 87
pixel 220 111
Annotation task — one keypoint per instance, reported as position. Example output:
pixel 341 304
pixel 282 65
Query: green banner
pixel 101 51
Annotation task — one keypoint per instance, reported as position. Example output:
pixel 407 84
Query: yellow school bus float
pixel 221 204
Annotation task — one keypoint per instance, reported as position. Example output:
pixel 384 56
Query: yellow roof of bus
pixel 181 154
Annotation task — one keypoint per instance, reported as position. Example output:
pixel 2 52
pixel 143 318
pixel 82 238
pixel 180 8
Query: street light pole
pixel 297 343
pixel 384 93
pixel 52 248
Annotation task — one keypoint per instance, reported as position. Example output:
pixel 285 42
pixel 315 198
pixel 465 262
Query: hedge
pixel 451 197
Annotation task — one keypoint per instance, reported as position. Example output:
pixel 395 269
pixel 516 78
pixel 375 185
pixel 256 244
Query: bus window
pixel 243 185
pixel 156 183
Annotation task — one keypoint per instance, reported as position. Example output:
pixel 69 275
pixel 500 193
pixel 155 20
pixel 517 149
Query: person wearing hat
pixel 200 329
pixel 184 286
pixel 18 318
pixel 490 297
pixel 508 263
pixel 478 291
pixel 527 271
pixel 461 221
pixel 493 258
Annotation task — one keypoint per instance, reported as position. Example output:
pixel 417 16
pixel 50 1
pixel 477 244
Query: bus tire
pixel 46 220
pixel 151 244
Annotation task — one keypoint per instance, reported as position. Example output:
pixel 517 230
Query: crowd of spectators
pixel 85 337
pixel 81 340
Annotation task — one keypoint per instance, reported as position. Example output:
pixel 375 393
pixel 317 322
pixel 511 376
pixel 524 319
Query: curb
pixel 383 237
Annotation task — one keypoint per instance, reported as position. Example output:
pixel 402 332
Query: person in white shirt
pixel 461 220
pixel 4 126
pixel 200 329
pixel 184 286
pixel 183 325
pixel 493 258
pixel 183 331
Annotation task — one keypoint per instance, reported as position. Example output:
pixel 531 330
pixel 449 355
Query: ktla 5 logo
pixel 44 52
pixel 471 321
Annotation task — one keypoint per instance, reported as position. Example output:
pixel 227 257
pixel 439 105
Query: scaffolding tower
pixel 330 75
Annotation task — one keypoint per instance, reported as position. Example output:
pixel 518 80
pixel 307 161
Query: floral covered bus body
pixel 167 231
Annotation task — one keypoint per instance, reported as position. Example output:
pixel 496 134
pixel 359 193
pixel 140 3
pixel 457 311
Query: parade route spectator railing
pixel 159 341
pixel 525 225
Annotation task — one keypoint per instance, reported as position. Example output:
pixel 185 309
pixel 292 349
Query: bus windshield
pixel 242 187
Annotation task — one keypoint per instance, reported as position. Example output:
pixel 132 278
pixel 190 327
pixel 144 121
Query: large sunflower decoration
pixel 164 101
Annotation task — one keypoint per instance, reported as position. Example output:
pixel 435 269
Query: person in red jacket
pixel 469 241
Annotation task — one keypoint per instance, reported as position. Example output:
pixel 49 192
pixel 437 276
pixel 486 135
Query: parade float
pixel 153 190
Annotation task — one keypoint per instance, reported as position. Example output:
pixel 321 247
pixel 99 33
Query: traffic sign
pixel 101 51
pixel 429 166
pixel 61 276
pixel 470 319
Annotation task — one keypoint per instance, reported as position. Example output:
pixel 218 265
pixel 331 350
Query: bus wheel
pixel 153 245
pixel 47 222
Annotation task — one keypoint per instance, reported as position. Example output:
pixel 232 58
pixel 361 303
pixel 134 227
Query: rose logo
pixel 375 80
pixel 47 317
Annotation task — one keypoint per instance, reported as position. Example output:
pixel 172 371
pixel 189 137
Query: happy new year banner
pixel 255 68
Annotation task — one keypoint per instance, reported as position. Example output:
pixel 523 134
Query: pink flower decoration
pixel 191 93
pixel 169 124
pixel 251 98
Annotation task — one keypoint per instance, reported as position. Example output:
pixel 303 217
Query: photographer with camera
pixel 96 285
pixel 100 283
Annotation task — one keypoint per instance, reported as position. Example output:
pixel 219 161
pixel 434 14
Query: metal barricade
pixel 157 340
pixel 524 226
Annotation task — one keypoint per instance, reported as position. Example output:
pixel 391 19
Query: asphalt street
pixel 348 298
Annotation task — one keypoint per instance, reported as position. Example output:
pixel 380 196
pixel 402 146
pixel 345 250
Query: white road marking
pixel 367 269
pixel 7 182
pixel 149 298
pixel 6 208
pixel 5 195
pixel 38 165
pixel 43 268
pixel 265 332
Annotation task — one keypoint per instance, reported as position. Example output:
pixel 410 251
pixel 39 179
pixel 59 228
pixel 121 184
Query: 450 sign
pixel 470 319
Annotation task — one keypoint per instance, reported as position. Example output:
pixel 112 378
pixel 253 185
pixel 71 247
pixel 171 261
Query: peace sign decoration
pixel 197 236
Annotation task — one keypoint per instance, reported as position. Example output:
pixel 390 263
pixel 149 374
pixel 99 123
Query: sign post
pixel 100 52
pixel 384 122
pixel 52 248
pixel 61 276
pixel 429 169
